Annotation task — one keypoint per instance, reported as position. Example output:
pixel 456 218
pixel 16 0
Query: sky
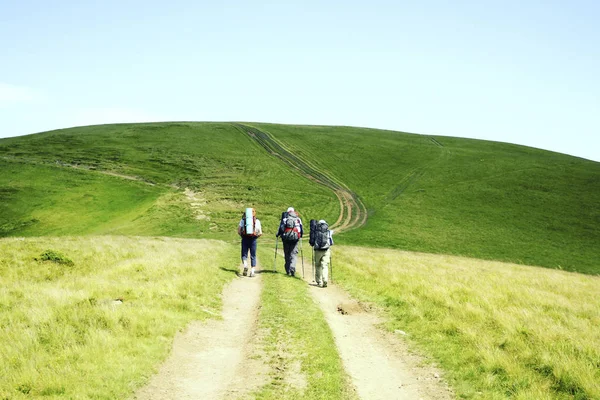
pixel 523 72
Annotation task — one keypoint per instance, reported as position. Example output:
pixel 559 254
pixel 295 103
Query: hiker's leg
pixel 286 254
pixel 325 261
pixel 316 261
pixel 245 247
pixel 293 256
pixel 318 267
pixel 253 251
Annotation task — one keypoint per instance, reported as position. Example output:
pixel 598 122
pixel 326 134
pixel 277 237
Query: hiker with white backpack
pixel 321 239
pixel 290 231
pixel 250 230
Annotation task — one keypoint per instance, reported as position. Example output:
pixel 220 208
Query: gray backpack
pixel 322 237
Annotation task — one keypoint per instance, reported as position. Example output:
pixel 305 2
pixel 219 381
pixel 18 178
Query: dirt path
pixel 217 359
pixel 353 213
pixel 210 360
pixel 380 364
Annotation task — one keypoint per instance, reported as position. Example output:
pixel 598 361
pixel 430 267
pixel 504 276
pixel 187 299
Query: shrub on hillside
pixel 55 256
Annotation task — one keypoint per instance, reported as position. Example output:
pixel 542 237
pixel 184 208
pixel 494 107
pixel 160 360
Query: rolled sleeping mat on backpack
pixel 249 221
pixel 313 228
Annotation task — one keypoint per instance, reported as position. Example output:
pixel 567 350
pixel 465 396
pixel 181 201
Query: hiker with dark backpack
pixel 290 230
pixel 250 230
pixel 321 239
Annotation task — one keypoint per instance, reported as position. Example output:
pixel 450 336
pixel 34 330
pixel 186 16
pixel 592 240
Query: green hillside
pixel 460 196
pixel 432 194
pixel 130 179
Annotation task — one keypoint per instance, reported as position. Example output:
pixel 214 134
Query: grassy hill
pixel 499 330
pixel 130 179
pixel 460 196
pixel 433 194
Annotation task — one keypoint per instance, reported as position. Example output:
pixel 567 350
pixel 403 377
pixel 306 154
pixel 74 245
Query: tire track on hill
pixel 353 213
pixel 415 174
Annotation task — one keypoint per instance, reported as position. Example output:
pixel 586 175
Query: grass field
pixel 63 334
pixel 499 330
pixel 92 317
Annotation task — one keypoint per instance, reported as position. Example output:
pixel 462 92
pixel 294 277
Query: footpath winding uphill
pixel 353 212
pixel 211 360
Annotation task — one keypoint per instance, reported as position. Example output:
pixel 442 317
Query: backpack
pixel 321 237
pixel 291 232
pixel 245 225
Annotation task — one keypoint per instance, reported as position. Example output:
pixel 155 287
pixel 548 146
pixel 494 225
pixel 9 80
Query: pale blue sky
pixel 525 72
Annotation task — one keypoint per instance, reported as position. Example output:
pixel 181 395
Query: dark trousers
pixel 249 243
pixel 290 251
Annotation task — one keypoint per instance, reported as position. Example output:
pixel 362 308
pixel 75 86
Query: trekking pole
pixel 275 260
pixel 302 254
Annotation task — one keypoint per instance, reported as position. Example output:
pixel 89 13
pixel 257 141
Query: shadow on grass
pixel 231 270
pixel 238 272
pixel 267 271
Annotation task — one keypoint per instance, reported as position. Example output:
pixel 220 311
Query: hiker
pixel 250 230
pixel 290 230
pixel 321 240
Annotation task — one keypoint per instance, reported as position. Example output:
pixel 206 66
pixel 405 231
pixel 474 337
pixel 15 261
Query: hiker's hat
pixel 290 209
pixel 322 221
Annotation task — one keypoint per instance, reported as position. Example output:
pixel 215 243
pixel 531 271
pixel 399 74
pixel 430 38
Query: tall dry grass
pixel 500 330
pixel 98 327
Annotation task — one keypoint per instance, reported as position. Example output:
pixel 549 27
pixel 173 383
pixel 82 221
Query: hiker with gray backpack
pixel 321 239
pixel 290 231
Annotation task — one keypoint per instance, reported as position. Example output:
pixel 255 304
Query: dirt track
pixel 210 360
pixel 353 212
pixel 214 359
pixel 380 364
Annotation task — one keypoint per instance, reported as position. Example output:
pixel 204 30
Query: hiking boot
pixel 252 273
pixel 325 284
pixel 245 272
pixel 292 273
